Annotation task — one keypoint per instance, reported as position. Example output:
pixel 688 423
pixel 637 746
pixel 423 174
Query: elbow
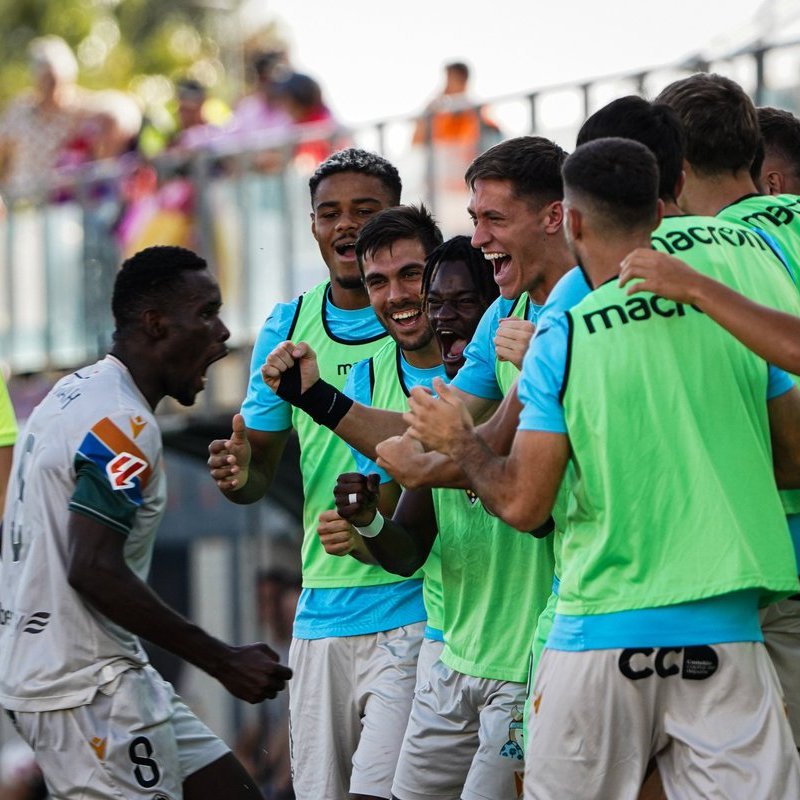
pixel 528 515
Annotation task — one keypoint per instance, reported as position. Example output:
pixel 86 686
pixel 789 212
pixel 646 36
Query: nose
pixel 224 334
pixel 346 222
pixel 479 236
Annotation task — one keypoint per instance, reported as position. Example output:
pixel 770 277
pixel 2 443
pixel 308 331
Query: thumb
pixel 373 482
pixel 239 434
pixel 442 389
pixel 302 350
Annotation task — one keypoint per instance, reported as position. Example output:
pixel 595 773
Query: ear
pixel 154 324
pixel 680 184
pixel 659 212
pixel 553 217
pixel 774 182
pixel 313 226
pixel 574 222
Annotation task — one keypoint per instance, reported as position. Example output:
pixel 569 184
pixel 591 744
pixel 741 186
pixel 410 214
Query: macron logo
pixel 122 469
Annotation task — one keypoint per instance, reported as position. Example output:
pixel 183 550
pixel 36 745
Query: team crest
pixel 513 748
pixel 471 496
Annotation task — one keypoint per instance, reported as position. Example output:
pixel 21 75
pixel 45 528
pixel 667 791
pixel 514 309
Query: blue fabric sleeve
pixel 262 409
pixel 779 382
pixel 542 377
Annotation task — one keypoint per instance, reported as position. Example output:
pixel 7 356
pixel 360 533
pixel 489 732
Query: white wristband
pixel 374 528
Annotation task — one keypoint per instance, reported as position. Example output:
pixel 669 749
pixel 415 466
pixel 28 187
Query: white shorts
pixel 429 654
pixel 464 740
pixel 713 717
pixel 780 623
pixel 136 739
pixel 349 700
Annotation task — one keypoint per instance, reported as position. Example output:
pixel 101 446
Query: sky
pixel 381 59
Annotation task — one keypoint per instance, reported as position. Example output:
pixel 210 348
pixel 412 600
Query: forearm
pixel 129 602
pixel 364 427
pixel 771 334
pixel 397 550
pixel 433 470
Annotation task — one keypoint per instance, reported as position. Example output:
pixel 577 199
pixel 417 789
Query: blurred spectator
pixel 448 119
pixel 260 110
pixel 35 127
pixel 193 128
pixel 263 747
pixel 301 97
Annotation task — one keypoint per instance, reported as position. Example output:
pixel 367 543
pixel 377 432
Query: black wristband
pixel 324 403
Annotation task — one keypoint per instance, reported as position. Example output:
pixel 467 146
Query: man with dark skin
pixel 86 495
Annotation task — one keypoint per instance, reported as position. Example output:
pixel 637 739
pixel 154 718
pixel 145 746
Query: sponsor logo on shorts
pixel 99 746
pixel 36 622
pixel 6 615
pixel 692 663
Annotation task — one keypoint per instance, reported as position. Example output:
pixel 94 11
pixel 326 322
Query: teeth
pixel 411 312
pixel 494 256
pixel 446 332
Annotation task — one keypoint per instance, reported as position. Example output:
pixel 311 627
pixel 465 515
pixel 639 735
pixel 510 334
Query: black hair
pixel 150 279
pixel 532 164
pixel 362 161
pixel 719 121
pixel 780 131
pixel 386 227
pixel 458 66
pixel 460 249
pixel 619 178
pixel 655 125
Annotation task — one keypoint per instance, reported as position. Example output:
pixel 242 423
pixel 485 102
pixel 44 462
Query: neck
pixel 602 263
pixel 707 195
pixel 556 264
pixel 671 208
pixel 425 357
pixel 348 299
pixel 143 377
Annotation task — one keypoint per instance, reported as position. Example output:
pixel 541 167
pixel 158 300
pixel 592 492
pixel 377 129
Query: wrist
pixel 371 530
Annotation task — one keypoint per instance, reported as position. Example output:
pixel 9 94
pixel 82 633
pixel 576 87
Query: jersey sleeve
pixel 113 472
pixel 478 376
pixel 358 387
pixel 779 382
pixel 8 422
pixel 542 377
pixel 262 409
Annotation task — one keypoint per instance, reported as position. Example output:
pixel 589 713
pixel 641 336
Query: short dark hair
pixel 780 131
pixel 391 225
pixel 532 164
pixel 655 125
pixel 719 121
pixel 458 66
pixel 150 279
pixel 619 178
pixel 459 248
pixel 353 159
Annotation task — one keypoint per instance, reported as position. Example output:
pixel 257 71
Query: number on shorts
pixel 149 776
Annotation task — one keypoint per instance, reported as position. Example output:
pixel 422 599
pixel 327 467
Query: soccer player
pixel 464 734
pixel 392 250
pixel 86 495
pixel 8 435
pixel 347 610
pixel 642 635
pixel 722 139
pixel 780 169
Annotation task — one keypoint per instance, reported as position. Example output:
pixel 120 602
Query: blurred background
pixel 127 123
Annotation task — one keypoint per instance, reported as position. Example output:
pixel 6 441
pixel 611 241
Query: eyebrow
pixel 355 200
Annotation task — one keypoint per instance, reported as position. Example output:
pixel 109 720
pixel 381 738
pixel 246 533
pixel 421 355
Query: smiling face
pixel 393 277
pixel 454 308
pixel 510 233
pixel 342 203
pixel 195 337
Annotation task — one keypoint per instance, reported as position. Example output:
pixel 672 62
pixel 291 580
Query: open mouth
pixel 406 318
pixel 500 263
pixel 346 249
pixel 451 345
pixel 220 354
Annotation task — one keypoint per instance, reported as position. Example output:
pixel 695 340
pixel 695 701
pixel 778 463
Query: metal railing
pixel 58 259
